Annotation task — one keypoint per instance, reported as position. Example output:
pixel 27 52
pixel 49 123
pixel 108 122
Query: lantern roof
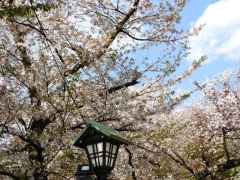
pixel 102 130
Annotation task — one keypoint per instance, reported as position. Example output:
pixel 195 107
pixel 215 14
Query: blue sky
pixel 193 11
pixel 215 38
pixel 219 39
pixel 221 20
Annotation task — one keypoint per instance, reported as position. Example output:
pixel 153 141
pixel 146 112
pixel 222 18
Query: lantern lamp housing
pixel 101 144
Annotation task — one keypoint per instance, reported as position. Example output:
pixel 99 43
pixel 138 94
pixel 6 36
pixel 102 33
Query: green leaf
pixel 24 11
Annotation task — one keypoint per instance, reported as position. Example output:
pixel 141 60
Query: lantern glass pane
pixel 106 160
pixel 107 154
pixel 85 168
pixel 114 149
pixel 95 149
pixel 100 147
pixel 100 153
pixel 112 154
pixel 93 162
pixel 100 161
pixel 112 162
pixel 107 147
pixel 90 149
pixel 92 153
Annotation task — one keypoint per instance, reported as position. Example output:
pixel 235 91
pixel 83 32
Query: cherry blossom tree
pixel 201 141
pixel 65 62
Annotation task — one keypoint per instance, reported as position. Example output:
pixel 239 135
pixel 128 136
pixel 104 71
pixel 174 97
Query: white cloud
pixel 220 36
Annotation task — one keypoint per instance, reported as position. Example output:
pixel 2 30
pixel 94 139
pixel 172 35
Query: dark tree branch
pixel 137 38
pixel 31 142
pixel 130 156
pixel 78 126
pixel 118 28
pixel 225 144
pixel 125 85
pixel 183 163
pixel 180 161
pixel 221 168
pixel 30 26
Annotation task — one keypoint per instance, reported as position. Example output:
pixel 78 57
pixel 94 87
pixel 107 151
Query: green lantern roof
pixel 102 130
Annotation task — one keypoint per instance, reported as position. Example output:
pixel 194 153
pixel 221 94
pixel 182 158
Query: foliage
pixel 203 139
pixel 63 66
pixel 23 10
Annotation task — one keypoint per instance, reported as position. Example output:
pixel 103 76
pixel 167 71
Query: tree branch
pixel 178 160
pixel 34 143
pixel 225 144
pixel 130 163
pixel 183 163
pixel 137 38
pixel 221 168
pixel 124 85
pixel 118 28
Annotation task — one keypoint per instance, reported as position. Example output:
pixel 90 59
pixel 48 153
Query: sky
pixel 219 39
